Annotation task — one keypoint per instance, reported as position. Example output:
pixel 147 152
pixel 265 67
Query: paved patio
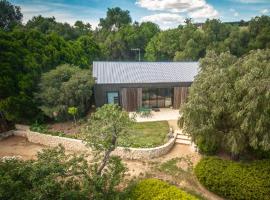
pixel 163 114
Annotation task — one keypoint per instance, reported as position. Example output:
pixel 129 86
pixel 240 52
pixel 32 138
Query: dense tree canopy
pixel 64 87
pixel 115 19
pixel 229 103
pixel 10 15
pixel 25 55
pixel 49 25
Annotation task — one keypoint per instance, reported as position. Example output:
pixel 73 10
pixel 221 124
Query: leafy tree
pixel 64 87
pixel 238 42
pixel 10 15
pixel 105 127
pixel 115 18
pixel 259 29
pixel 49 25
pixel 118 45
pixel 228 105
pixel 163 46
pixel 57 175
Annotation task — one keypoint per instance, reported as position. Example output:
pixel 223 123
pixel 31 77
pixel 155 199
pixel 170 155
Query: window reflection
pixel 157 97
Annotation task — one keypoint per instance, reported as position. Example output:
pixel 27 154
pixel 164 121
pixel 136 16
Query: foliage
pixel 154 189
pixel 49 25
pixel 24 56
pixel 56 175
pixel 146 134
pixel 64 87
pixel 51 176
pixel 189 43
pixel 105 127
pixel 234 180
pixel 229 103
pixel 117 45
pixel 73 111
pixel 115 18
pixel 10 15
pixel 163 46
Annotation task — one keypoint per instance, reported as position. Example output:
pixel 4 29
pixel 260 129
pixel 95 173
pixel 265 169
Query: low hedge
pixel 154 189
pixel 234 180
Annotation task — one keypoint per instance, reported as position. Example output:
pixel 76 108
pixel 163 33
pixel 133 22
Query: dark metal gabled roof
pixel 144 72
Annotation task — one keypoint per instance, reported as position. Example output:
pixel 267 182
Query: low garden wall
pixel 78 145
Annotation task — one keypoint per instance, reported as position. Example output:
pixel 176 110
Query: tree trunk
pixel 107 155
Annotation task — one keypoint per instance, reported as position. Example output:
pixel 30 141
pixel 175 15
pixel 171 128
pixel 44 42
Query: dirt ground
pixel 19 146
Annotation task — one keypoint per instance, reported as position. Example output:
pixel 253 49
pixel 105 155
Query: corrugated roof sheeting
pixel 144 72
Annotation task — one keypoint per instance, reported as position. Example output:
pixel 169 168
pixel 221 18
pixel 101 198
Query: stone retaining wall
pixel 78 145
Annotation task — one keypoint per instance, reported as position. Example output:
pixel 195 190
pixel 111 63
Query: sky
pixel 166 13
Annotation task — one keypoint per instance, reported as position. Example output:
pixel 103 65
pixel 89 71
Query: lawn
pixel 147 134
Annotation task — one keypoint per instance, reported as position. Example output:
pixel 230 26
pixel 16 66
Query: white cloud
pixel 264 11
pixel 206 12
pixel 172 5
pixel 62 12
pixel 196 9
pixel 165 20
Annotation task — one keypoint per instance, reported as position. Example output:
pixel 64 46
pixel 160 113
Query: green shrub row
pixel 154 189
pixel 234 180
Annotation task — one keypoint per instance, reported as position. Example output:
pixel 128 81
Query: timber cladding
pixel 180 96
pixel 129 99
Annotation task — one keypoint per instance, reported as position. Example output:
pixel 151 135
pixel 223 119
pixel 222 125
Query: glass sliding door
pixel 168 96
pixel 160 98
pixel 157 97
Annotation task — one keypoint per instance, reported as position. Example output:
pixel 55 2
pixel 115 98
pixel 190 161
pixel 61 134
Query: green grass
pixel 146 134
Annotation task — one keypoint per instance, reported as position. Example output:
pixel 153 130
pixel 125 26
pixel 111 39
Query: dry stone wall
pixel 78 145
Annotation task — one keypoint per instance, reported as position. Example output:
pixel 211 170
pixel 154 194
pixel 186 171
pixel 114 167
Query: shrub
pixel 234 180
pixel 64 87
pixel 154 189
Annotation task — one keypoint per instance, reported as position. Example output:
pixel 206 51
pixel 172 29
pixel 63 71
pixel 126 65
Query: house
pixel 133 85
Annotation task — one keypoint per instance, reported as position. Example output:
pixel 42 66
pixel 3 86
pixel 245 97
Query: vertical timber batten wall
pixel 180 96
pixel 130 99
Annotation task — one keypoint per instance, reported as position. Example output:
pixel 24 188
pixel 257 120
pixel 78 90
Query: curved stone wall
pixel 78 145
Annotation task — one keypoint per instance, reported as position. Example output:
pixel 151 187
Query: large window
pixel 157 97
pixel 113 98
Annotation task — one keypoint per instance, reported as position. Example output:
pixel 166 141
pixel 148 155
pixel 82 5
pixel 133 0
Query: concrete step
pixel 184 137
pixel 181 141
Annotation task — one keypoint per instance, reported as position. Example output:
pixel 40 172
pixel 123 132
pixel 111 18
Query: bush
pixel 64 87
pixel 234 180
pixel 154 189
